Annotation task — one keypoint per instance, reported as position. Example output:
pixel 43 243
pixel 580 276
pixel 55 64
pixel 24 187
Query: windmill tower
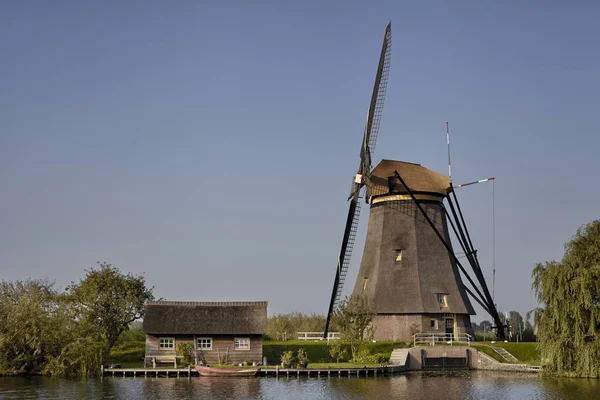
pixel 408 274
pixel 409 270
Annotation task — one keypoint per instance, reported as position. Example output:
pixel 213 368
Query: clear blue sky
pixel 210 146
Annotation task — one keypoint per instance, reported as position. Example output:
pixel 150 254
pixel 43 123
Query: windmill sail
pixel 364 170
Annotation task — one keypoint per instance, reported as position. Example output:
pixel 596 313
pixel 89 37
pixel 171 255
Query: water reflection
pixel 414 386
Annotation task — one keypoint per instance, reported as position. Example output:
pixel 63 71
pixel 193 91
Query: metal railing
pixel 441 338
pixel 318 336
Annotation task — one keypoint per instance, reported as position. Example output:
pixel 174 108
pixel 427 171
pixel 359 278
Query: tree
pixel 569 325
pixel 337 351
pixel 485 326
pixel 106 301
pixel 352 318
pixel 34 325
pixel 515 320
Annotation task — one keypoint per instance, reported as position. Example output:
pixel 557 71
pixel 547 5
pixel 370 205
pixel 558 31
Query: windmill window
pixel 398 255
pixel 365 282
pixel 441 298
pixel 434 324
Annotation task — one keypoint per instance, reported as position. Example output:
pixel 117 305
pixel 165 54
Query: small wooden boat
pixel 208 371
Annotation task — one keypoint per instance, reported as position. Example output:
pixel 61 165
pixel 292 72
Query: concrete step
pixel 505 354
pixel 399 357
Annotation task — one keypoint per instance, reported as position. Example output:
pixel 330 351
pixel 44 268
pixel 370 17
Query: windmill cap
pixel 418 178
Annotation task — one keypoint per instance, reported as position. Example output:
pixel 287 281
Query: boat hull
pixel 208 371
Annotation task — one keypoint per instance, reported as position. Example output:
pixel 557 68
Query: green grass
pixel 315 351
pixel 525 352
pixel 318 351
pixel 334 365
pixel 490 352
pixel 130 354
pixel 340 365
pixel 127 354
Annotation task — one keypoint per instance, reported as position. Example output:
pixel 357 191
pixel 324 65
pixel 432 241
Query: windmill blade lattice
pixel 367 148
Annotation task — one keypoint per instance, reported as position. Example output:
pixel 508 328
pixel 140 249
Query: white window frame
pixel 398 255
pixel 160 343
pixel 444 301
pixel 435 324
pixel 199 347
pixel 238 340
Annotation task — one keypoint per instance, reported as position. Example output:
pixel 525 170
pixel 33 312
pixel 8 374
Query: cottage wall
pixel 221 344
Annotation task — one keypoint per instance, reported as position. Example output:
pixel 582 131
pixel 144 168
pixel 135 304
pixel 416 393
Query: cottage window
pixel 204 343
pixel 441 298
pixel 166 343
pixel 434 324
pixel 241 344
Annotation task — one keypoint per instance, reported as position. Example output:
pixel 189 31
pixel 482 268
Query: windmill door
pixel 450 327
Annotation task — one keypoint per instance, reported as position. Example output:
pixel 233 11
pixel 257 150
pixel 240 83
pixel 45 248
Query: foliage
pixel 301 355
pixel 315 351
pixel 525 352
pixel 516 323
pixel 127 354
pixel 319 352
pixel 337 351
pixel 34 326
pixel 106 302
pixel 569 324
pixel 287 357
pixel 287 326
pixel 352 318
pixel 46 332
pixel 366 356
pixel 186 352
pixel 135 333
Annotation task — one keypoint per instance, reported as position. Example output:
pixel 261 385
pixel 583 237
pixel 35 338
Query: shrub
pixel 186 352
pixel 338 351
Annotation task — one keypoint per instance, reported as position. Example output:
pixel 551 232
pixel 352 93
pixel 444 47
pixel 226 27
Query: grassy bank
pixel 130 354
pixel 525 352
pixel 318 352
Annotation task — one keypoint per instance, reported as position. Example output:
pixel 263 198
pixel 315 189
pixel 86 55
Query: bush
pixel 338 352
pixel 364 356
pixel 186 352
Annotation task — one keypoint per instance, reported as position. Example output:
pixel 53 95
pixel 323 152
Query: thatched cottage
pixel 218 331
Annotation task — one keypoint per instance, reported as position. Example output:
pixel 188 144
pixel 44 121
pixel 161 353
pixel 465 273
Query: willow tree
pixel 569 290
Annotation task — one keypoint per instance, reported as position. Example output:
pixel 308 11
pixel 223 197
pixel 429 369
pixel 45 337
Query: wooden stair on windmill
pixel 505 354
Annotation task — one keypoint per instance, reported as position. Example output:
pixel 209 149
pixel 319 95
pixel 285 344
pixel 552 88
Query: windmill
pixel 364 170
pixel 409 270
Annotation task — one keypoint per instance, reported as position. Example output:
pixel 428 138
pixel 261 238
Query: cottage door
pixel 449 328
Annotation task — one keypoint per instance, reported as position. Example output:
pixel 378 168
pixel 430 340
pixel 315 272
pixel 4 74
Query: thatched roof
pixel 211 318
pixel 417 177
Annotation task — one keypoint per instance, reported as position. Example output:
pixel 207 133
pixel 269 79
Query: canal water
pixel 413 386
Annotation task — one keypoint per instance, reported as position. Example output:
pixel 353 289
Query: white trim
pixel 166 338
pixel 204 338
pixel 236 339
